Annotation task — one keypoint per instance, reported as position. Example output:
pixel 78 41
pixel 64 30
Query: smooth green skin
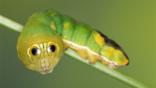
pixel 80 33
pixel 37 33
pixel 84 35
pixel 50 27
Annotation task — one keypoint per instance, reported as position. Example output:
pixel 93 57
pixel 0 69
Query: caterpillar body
pixel 47 34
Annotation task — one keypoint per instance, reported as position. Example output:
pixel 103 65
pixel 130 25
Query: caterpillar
pixel 48 34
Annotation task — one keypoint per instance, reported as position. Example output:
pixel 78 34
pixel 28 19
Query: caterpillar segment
pixel 91 44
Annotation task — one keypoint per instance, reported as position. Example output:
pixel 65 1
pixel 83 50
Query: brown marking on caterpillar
pixel 93 58
pixel 112 43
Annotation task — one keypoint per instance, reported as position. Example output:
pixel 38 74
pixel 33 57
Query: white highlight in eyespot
pixel 38 51
pixel 49 49
pixel 49 46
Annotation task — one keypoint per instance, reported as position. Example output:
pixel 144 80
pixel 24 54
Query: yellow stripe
pixel 99 39
pixel 53 26
pixel 66 25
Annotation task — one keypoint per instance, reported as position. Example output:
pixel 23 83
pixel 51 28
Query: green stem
pixel 10 24
pixel 114 73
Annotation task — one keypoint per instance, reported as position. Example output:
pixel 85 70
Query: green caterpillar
pixel 47 34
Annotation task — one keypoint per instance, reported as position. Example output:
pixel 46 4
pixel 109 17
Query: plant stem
pixel 10 24
pixel 114 73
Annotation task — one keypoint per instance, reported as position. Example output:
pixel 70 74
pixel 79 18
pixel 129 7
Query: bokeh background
pixel 131 23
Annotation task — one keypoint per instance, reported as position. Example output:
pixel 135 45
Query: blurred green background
pixel 131 23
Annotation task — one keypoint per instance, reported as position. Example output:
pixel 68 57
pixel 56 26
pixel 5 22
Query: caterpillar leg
pixel 82 53
pixel 92 58
pixel 85 54
pixel 66 46
pixel 107 63
pixel 104 62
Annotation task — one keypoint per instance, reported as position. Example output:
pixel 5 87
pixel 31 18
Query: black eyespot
pixel 52 48
pixel 35 51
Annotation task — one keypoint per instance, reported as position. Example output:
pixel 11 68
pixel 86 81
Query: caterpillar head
pixel 40 54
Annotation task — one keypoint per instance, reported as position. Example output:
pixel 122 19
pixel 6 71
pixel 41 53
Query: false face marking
pixel 42 55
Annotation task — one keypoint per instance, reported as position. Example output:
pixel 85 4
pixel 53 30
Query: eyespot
pixel 52 48
pixel 35 51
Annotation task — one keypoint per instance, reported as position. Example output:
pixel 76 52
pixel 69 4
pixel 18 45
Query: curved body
pixel 83 39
